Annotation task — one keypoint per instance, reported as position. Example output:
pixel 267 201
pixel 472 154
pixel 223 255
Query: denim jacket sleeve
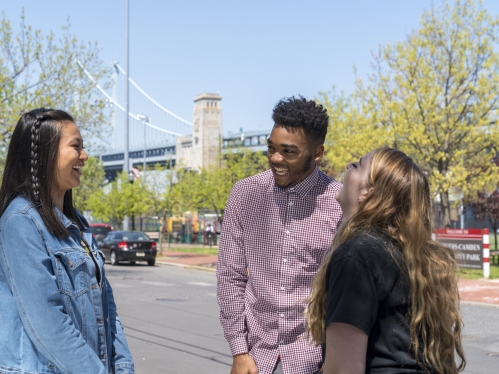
pixel 29 270
pixel 121 357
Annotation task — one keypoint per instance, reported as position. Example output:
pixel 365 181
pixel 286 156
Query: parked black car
pixel 129 246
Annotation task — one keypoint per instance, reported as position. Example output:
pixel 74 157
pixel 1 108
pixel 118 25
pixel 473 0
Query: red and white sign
pixel 470 246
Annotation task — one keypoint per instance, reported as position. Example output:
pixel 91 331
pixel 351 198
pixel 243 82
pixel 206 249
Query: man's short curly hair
pixel 300 112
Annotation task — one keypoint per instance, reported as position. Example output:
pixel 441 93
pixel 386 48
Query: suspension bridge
pixel 153 129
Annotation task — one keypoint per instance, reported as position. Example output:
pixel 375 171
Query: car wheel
pixel 114 258
pixel 151 262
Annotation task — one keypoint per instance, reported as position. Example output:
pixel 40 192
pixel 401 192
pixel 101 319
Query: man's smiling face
pixel 292 157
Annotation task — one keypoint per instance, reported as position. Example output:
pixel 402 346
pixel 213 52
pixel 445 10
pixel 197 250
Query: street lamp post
pixel 126 159
pixel 131 179
pixel 126 155
pixel 145 121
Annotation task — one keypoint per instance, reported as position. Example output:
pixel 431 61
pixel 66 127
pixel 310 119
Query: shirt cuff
pixel 124 368
pixel 238 346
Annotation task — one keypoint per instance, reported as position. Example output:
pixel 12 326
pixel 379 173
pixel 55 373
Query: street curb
pixel 196 267
pixel 477 303
pixel 204 268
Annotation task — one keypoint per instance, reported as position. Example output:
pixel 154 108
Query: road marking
pixel 121 285
pixel 158 283
pixel 201 284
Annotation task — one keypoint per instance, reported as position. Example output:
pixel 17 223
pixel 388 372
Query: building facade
pixel 202 148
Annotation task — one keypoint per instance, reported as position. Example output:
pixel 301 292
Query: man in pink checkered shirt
pixel 277 227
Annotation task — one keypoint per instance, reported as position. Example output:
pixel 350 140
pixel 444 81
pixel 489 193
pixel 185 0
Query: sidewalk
pixel 188 259
pixel 479 291
pixel 185 259
pixel 474 291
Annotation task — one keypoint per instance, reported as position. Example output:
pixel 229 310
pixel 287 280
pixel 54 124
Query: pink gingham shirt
pixel 272 243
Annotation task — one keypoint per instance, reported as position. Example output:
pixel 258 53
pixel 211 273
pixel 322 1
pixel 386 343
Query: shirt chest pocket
pixel 71 272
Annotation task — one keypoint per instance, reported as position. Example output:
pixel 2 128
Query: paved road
pixel 171 319
pixel 481 338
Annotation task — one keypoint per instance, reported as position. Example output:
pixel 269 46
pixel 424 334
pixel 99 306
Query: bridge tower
pixel 202 148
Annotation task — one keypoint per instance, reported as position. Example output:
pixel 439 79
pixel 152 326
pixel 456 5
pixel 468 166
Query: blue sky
pixel 251 53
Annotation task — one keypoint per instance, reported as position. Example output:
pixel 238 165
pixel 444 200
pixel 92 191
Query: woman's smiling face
pixel 70 159
pixel 355 185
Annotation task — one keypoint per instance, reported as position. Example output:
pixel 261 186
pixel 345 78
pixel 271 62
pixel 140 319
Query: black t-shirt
pixel 368 289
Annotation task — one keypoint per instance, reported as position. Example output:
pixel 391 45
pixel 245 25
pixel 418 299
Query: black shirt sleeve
pixel 352 297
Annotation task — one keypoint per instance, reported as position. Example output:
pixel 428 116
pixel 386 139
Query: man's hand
pixel 243 364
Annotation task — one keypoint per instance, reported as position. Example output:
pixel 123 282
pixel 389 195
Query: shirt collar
pixel 67 222
pixel 64 220
pixel 301 188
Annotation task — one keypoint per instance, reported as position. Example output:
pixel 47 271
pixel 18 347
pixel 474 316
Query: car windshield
pixel 99 230
pixel 132 236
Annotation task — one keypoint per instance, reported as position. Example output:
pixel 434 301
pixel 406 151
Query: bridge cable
pixel 92 79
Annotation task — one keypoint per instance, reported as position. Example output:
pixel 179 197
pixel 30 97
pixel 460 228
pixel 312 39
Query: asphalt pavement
pixel 481 338
pixel 170 315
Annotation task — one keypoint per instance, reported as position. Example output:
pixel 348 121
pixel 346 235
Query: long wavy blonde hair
pixel 400 205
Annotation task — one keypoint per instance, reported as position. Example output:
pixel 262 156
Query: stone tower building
pixel 202 148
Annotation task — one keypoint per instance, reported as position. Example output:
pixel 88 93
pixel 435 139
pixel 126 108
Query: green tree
pixel 433 96
pixel 175 192
pixel 350 134
pixel 92 181
pixel 215 183
pixel 164 194
pixel 120 199
pixel 38 70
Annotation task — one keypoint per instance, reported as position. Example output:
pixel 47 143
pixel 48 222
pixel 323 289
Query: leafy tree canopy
pixel 92 181
pixel 434 96
pixel 38 70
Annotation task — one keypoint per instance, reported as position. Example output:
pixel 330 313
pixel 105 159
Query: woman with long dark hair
pixel 57 311
pixel 385 299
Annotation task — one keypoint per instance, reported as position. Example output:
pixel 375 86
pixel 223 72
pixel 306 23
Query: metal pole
pixel 126 165
pixel 126 162
pixel 144 167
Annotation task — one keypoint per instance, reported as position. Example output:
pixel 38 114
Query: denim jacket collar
pixel 64 220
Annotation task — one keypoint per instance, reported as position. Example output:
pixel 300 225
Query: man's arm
pixel 232 276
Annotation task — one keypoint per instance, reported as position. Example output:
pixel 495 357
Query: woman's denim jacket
pixel 55 315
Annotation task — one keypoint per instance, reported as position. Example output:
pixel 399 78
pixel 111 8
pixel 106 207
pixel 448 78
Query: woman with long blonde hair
pixel 385 299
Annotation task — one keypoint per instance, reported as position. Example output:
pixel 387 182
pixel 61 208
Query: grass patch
pixel 477 274
pixel 199 250
pixel 492 241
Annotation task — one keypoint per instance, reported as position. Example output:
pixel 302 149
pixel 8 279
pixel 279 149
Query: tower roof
pixel 207 96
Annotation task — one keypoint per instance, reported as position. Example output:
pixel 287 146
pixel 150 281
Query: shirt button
pixel 285 260
pixel 281 342
pixel 287 232
pixel 291 203
pixel 282 288
pixel 282 315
